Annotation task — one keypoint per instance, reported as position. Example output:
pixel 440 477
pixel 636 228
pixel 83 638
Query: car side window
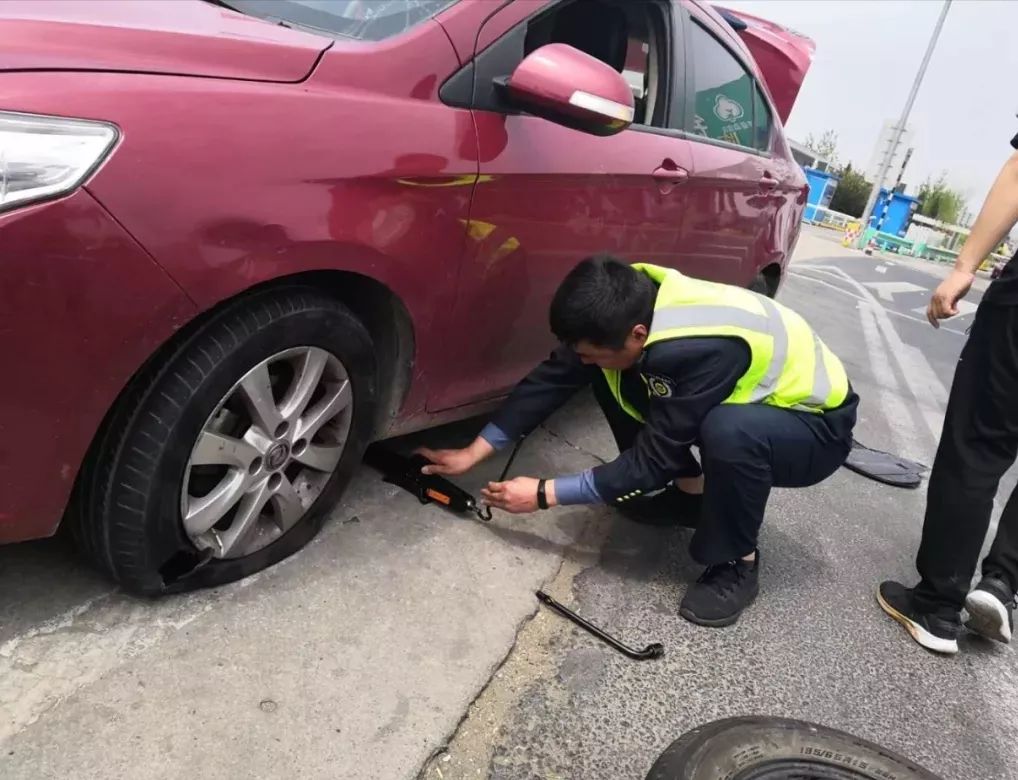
pixel 646 62
pixel 762 123
pixel 728 105
pixel 631 37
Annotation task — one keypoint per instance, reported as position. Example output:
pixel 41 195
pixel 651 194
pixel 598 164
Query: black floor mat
pixel 884 467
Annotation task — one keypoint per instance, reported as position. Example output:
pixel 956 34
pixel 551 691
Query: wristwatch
pixel 542 497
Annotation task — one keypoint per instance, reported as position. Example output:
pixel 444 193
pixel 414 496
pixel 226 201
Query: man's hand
pixel 517 496
pixel 944 302
pixel 453 462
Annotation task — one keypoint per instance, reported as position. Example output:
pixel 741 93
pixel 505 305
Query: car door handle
pixel 674 175
pixel 768 182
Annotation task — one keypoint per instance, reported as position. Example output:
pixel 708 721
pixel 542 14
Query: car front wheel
pixel 223 459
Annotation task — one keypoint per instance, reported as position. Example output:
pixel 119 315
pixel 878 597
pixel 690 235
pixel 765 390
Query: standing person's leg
pixel 1002 560
pixel 978 444
pixel 992 602
pixel 747 450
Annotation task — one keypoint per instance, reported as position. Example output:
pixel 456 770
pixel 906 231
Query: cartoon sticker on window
pixel 725 112
pixel 726 109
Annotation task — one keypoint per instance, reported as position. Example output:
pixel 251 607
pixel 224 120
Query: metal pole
pixel 894 189
pixel 900 127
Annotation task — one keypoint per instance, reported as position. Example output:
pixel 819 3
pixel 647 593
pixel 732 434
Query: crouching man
pixel 675 362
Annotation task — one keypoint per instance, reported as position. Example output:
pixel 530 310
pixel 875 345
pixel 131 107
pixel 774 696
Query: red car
pixel 242 239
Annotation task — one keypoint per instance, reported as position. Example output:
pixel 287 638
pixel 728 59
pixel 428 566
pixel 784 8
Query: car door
pixel 548 196
pixel 735 185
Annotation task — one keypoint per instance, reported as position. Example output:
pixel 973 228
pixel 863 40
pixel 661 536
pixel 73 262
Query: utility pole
pixel 901 171
pixel 900 127
pixel 897 183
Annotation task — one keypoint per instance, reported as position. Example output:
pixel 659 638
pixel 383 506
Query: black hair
pixel 600 301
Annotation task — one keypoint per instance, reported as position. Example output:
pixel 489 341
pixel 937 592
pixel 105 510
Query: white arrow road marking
pixel 887 290
pixel 911 362
pixel 799 274
pixel 920 378
pixel 891 395
pixel 856 296
pixel 964 307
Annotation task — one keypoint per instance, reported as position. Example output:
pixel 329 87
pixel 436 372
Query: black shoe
pixel 991 609
pixel 931 631
pixel 722 592
pixel 669 507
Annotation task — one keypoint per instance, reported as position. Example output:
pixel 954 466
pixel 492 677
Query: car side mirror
pixel 568 87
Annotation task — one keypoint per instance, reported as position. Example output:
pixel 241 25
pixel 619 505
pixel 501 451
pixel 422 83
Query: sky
pixel 867 55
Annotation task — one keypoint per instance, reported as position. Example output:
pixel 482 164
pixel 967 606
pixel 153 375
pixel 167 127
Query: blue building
pixel 822 185
pixel 895 215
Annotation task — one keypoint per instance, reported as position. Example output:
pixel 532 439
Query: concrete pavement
pixel 403 642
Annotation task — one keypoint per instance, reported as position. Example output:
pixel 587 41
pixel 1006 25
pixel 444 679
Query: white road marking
pixel 887 290
pixel 890 394
pixel 881 269
pixel 964 307
pixel 892 312
pixel 920 378
pixel 872 313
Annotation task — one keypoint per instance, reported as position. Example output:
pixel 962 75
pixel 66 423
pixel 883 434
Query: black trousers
pixel 747 449
pixel 978 444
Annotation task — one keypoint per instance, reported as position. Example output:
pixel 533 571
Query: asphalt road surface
pixel 403 643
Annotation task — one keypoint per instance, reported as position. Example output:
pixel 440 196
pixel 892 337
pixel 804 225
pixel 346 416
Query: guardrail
pixel 938 254
pixel 825 217
pixel 836 220
pixel 899 245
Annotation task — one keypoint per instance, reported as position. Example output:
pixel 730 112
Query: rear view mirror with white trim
pixel 568 87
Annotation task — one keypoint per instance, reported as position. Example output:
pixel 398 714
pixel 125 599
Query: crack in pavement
pixel 450 738
pixel 496 695
pixel 577 447
pixel 580 555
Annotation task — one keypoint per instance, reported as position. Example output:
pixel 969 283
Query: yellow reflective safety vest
pixel 790 367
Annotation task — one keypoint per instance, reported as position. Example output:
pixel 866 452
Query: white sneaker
pixel 991 610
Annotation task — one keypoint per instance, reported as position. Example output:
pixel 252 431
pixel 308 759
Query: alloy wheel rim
pixel 266 452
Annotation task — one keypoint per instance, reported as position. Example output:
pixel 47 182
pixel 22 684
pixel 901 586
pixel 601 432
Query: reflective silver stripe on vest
pixel 768 384
pixel 822 384
pixel 708 316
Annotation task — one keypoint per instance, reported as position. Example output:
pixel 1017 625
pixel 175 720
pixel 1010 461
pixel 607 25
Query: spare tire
pixel 762 748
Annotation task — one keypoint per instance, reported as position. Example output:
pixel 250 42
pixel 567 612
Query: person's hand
pixel 448 462
pixel 454 462
pixel 517 496
pixel 944 302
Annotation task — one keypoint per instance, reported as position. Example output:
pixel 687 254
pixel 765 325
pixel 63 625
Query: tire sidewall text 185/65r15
pixel 130 497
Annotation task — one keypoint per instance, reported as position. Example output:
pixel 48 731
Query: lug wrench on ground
pixel 653 650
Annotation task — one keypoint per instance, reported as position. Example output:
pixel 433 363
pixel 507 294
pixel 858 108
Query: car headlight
pixel 43 157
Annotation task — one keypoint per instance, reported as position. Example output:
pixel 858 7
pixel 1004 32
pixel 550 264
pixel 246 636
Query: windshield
pixel 368 20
